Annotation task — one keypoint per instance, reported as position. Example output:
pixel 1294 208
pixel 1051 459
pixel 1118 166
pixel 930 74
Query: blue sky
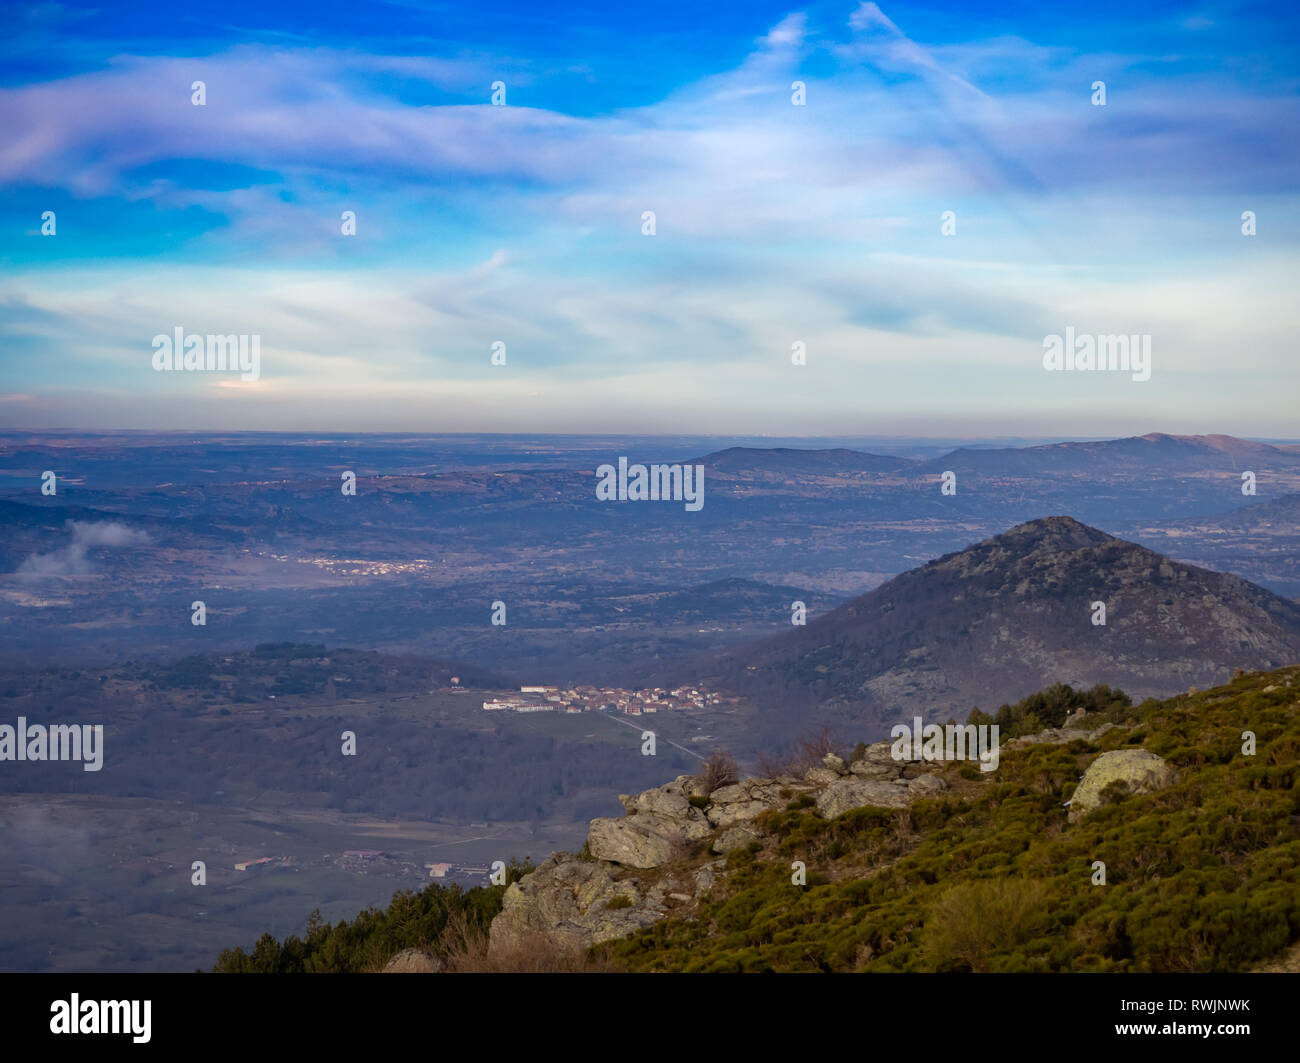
pixel 775 223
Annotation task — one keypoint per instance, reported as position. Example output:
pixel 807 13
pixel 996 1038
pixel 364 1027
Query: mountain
pixel 785 461
pixel 1147 455
pixel 988 624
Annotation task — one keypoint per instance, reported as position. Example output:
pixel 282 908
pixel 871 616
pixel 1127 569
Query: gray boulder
pixel 879 753
pixel 724 795
pixel 1138 772
pixel 413 961
pixel 568 900
pixel 926 786
pixel 748 800
pixel 644 840
pixel 856 792
pixel 821 776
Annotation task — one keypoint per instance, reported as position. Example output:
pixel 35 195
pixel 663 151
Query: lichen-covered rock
pixel 856 792
pixel 658 823
pixel 879 753
pixel 644 840
pixel 728 794
pixel 413 961
pixel 568 900
pixel 835 763
pixel 821 776
pixel 671 800
pixel 1137 770
pixel 706 876
pixel 1059 736
pixel 926 786
pixel 694 785
pixel 579 903
pixel 663 803
pixel 747 801
pixel 875 769
pixel 735 838
pixel 723 816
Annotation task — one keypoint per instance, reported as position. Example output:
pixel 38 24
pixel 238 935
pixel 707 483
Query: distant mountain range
pixel 791 460
pixel 1154 451
pixel 1012 614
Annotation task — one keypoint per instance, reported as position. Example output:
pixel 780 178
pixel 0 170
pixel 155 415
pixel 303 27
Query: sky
pixel 799 161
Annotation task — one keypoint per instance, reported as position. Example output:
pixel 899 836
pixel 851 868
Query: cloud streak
pixel 522 224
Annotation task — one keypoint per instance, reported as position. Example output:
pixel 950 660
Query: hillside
pixel 1011 614
pixel 1262 538
pixel 911 865
pixel 990 875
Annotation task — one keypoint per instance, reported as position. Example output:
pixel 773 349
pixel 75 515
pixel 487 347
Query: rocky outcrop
pixel 659 823
pixel 661 857
pixel 1060 735
pixel 745 801
pixel 635 841
pixel 580 903
pixel 1119 773
pixel 634 872
pixel 856 792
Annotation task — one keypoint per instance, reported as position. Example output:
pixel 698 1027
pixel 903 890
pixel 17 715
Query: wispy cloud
pixel 522 223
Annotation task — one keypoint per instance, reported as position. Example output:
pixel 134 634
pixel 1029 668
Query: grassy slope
pixel 1203 876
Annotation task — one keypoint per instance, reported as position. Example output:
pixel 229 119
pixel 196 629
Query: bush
pixel 720 770
pixel 975 920
pixel 804 753
pixel 468 949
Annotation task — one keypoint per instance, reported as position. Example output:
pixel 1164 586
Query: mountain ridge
pixel 1013 613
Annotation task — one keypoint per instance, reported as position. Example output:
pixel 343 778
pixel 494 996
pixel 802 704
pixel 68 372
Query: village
pixel 588 698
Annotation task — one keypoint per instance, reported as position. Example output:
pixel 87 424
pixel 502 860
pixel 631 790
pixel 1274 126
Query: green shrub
pixel 974 920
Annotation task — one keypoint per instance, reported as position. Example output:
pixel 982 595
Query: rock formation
pixel 669 849
pixel 646 864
